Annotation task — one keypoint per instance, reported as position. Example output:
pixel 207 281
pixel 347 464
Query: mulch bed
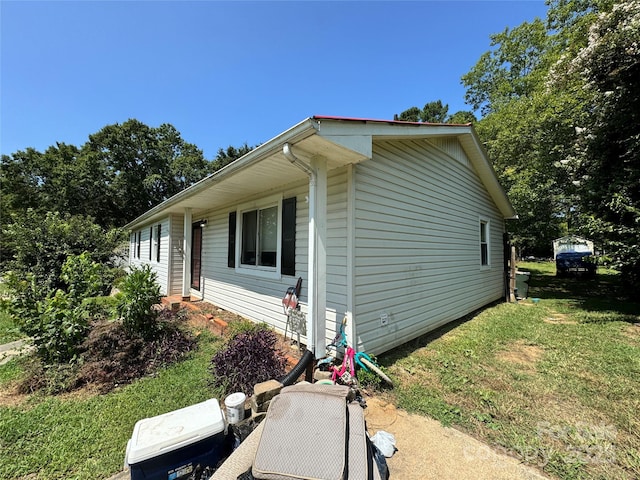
pixel 203 315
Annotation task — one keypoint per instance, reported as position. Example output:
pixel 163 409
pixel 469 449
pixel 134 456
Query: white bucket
pixel 234 404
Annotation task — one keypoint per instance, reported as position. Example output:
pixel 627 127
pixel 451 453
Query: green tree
pixel 512 69
pixel 226 156
pixel 432 112
pixel 522 142
pixel 435 112
pixel 411 114
pixel 560 104
pixel 20 180
pixel 605 157
pixel 144 165
pixel 462 117
pixel 122 171
pixel 527 127
pixel 41 244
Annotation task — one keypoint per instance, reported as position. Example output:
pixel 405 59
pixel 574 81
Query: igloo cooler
pixel 186 443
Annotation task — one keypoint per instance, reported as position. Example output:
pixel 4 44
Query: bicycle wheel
pixel 374 368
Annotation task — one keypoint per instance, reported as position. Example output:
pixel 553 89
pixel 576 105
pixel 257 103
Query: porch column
pixel 317 268
pixel 186 248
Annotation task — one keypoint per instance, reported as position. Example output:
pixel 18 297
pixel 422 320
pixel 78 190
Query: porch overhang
pixel 264 169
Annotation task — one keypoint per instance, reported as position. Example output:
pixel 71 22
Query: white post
pixel 316 321
pixel 186 248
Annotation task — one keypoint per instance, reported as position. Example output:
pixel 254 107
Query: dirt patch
pixel 632 331
pixel 560 319
pixel 9 397
pixel 525 355
pixel 204 316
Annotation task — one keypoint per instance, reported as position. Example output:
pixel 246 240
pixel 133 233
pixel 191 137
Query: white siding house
pixel 396 226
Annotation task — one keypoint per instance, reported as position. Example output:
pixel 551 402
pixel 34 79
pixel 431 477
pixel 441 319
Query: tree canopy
pixel 435 112
pixel 561 102
pixel 119 173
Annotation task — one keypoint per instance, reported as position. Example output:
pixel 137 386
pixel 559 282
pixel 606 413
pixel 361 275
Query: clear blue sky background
pixel 225 73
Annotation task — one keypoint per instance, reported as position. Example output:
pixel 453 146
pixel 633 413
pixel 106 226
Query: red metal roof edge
pixel 393 122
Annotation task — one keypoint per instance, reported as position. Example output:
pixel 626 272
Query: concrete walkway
pixel 12 349
pixel 427 450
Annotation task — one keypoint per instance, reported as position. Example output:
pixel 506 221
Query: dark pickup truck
pixel 576 264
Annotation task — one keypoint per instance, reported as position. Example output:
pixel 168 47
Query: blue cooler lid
pixel 155 436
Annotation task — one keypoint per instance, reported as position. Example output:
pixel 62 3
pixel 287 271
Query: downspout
pixel 312 281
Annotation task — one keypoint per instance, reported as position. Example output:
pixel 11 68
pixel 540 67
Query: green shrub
pixel 23 295
pixel 100 308
pixel 85 278
pixel 40 245
pixel 56 325
pixel 48 379
pixel 139 292
pixel 369 379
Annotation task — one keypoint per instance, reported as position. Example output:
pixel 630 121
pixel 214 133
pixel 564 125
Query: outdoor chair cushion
pixel 312 433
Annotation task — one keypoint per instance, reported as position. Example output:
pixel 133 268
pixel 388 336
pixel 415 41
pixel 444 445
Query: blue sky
pixel 225 73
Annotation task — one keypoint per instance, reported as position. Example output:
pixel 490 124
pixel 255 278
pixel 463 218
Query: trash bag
pixel 379 461
pixel 385 442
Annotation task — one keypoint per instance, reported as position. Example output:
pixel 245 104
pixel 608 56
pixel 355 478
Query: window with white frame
pixel 259 245
pixel 265 236
pixel 484 243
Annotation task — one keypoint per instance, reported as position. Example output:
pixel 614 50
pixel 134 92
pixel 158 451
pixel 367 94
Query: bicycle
pixel 346 372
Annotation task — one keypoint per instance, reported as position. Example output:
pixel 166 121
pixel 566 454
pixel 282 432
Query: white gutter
pixel 295 134
pixel 315 317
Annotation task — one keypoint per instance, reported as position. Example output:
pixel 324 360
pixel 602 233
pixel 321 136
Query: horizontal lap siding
pixel 258 299
pixel 177 254
pixel 417 242
pixel 336 250
pixel 161 268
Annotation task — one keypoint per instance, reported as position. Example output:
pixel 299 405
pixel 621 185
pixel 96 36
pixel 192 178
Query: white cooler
pixel 185 443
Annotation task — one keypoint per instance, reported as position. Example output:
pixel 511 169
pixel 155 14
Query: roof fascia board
pixel 330 128
pixel 294 134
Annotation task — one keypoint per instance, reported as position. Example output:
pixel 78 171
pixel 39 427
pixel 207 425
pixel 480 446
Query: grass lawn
pixel 554 383
pixel 83 436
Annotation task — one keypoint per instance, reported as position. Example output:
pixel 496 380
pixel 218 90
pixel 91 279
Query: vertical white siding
pixel 417 246
pixel 452 147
